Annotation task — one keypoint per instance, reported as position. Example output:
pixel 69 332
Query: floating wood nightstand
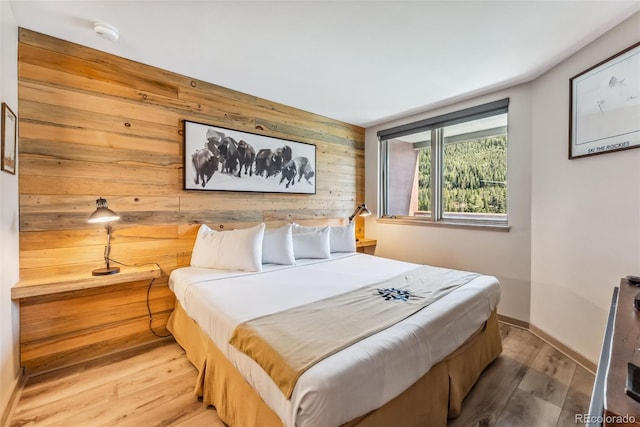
pixel 69 316
pixel 366 246
pixel 57 280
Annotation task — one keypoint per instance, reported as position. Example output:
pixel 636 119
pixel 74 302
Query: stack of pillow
pixel 248 248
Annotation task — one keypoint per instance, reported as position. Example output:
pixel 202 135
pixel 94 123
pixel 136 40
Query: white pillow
pixel 298 229
pixel 277 246
pixel 343 238
pixel 312 244
pixel 229 250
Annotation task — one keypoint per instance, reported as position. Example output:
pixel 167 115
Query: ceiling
pixel 361 62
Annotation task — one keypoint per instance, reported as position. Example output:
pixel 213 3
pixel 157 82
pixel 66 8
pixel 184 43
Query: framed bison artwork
pixel 221 159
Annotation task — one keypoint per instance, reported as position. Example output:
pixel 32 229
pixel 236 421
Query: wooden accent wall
pixel 92 124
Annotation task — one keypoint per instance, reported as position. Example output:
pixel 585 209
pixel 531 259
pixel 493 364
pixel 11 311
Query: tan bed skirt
pixel 433 398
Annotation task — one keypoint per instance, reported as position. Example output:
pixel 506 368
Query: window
pixel 450 168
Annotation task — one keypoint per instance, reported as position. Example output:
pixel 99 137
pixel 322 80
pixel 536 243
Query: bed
pixel 414 372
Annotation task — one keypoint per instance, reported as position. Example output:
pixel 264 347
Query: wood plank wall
pixel 92 124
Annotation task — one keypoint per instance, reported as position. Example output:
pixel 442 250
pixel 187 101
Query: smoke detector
pixel 106 31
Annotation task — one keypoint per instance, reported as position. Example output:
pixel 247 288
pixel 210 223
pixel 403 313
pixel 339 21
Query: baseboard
pixel 513 322
pixel 569 352
pixel 7 411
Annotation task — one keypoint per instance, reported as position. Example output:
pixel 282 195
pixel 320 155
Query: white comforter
pixel 358 379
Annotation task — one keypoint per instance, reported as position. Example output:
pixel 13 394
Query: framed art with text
pixel 605 106
pixel 9 133
pixel 221 159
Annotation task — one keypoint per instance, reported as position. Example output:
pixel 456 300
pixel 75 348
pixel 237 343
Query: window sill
pixel 444 224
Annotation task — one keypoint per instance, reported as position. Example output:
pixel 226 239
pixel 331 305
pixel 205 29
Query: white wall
pixel 585 212
pixel 506 255
pixel 575 224
pixel 9 345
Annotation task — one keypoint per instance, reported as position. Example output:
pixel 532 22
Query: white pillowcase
pixel 299 229
pixel 341 238
pixel 239 249
pixel 312 243
pixel 277 246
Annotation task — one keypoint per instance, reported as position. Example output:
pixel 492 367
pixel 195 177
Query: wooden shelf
pixel 76 278
pixel 367 246
pixel 362 243
pixel 69 316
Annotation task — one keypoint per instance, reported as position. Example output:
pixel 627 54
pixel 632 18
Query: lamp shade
pixel 103 213
pixel 364 211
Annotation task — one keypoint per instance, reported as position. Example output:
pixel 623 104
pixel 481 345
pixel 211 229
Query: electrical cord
pixel 148 293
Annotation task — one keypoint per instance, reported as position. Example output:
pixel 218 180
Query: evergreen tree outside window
pixel 450 168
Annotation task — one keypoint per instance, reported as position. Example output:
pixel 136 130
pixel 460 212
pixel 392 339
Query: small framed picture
pixel 605 106
pixel 9 132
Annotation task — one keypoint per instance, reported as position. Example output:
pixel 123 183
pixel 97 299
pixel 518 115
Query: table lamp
pixel 103 214
pixel 361 210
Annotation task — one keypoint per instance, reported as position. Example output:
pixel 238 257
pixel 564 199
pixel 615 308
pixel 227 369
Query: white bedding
pixel 358 379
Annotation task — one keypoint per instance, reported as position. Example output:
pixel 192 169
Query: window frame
pixel 436 125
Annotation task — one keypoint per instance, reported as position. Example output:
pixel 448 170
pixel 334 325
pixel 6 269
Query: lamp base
pixel 104 271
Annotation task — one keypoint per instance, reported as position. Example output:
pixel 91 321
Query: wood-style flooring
pixel 530 384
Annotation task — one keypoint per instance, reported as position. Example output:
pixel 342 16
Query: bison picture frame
pixel 221 159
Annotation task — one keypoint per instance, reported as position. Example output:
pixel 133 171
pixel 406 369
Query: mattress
pixel 359 378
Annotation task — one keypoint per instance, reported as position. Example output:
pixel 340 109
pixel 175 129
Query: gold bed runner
pixel 287 343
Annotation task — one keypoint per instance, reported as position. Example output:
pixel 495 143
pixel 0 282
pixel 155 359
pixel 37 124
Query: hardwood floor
pixel 530 384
